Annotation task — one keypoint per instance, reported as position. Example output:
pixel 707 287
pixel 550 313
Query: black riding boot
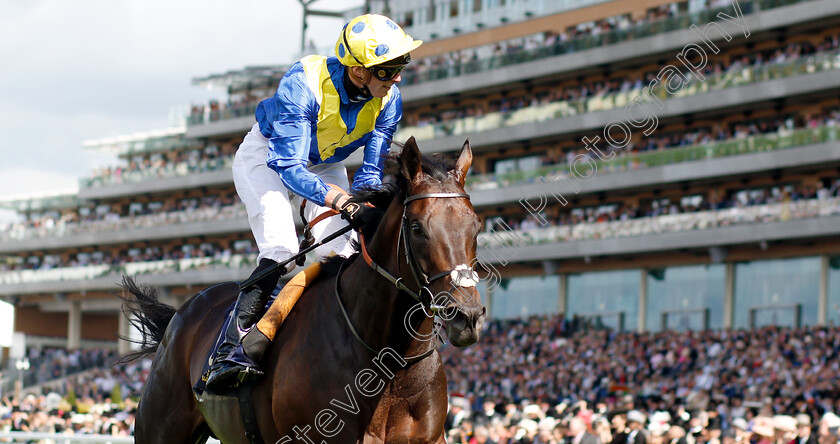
pixel 229 367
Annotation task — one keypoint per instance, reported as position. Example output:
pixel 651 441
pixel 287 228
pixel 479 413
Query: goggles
pixel 386 73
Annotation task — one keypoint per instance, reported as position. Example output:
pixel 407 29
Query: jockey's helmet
pixel 375 42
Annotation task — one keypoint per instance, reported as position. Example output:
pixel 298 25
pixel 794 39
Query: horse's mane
pixel 436 166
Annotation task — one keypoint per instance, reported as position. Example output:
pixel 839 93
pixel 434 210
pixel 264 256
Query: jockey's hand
pixel 357 214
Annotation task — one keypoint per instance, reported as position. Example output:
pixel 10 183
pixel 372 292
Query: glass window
pixel 778 292
pixel 607 299
pixel 524 296
pixel 453 8
pixel 686 298
pixel 833 316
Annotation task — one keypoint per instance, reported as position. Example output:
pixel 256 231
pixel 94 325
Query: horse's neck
pixel 378 310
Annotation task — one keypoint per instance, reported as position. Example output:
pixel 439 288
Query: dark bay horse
pixel 355 361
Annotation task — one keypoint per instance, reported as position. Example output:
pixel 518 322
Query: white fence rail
pixel 24 437
pixel 52 438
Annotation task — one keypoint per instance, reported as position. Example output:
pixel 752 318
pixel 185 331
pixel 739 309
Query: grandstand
pixel 640 166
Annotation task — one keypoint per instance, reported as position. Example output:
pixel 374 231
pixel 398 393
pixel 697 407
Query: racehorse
pixel 356 360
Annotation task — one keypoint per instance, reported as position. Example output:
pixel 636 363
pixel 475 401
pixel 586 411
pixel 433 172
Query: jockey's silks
pixel 310 119
pixel 338 125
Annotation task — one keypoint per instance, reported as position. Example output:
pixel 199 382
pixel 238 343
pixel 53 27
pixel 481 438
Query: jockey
pixel 324 109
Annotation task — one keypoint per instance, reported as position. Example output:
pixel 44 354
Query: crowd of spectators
pixel 582 91
pixel 557 380
pixel 208 159
pixel 210 208
pixel 582 36
pixel 550 43
pixel 160 165
pixel 50 363
pixel 157 166
pixel 505 52
pixel 206 250
pixel 520 49
pixel 99 401
pixel 597 222
pixel 692 212
pixel 550 380
pixel 664 207
pixel 781 126
pixel 239 105
pixel 663 216
pixel 218 207
pixel 137 215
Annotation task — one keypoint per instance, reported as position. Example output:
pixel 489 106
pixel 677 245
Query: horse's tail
pixel 151 317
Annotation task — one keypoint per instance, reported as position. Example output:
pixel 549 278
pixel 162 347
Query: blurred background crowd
pixel 555 380
pixel 542 380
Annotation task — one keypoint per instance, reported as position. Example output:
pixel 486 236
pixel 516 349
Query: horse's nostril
pixel 474 315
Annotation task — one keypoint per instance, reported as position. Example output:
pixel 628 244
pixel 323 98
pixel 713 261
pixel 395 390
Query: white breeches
pixel 271 206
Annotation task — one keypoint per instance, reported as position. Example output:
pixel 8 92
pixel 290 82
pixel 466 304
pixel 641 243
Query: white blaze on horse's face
pixel 464 276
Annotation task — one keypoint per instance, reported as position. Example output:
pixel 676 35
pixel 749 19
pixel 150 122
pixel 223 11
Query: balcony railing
pixel 776 212
pixel 676 23
pixel 89 272
pixel 409 77
pixel 806 65
pixel 170 170
pixel 703 220
pixel 748 145
pixel 223 113
pixel 61 228
pixel 828 61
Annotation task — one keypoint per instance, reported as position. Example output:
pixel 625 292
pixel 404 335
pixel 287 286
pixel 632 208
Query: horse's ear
pixel 410 160
pixel 464 162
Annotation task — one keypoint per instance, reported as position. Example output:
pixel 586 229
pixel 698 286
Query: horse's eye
pixel 416 229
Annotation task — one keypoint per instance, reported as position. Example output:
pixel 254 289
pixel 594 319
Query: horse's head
pixel 440 228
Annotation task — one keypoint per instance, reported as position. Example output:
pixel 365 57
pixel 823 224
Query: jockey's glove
pixel 357 214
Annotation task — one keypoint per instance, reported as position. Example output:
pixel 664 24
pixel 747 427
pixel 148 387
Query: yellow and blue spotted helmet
pixel 372 39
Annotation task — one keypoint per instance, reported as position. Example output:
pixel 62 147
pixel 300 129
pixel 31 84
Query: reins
pixel 308 238
pixel 409 359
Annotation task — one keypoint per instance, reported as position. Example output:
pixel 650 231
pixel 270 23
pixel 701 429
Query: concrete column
pixel 822 303
pixel 563 294
pixel 641 324
pixel 74 326
pixel 729 295
pixel 124 331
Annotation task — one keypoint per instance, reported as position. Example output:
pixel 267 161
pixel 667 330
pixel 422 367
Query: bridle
pixel 421 278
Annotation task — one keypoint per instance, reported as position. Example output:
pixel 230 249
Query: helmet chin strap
pixel 365 80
